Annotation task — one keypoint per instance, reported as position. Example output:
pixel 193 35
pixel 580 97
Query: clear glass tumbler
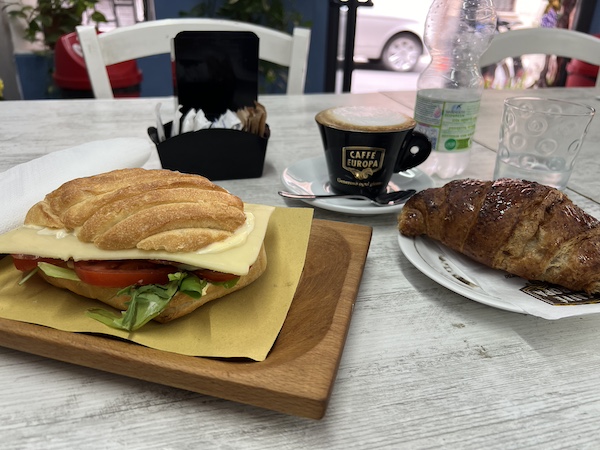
pixel 540 139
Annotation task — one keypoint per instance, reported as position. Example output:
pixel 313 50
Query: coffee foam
pixel 365 118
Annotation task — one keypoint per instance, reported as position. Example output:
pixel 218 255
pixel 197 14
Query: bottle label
pixel 449 125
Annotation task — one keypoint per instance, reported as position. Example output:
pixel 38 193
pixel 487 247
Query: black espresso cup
pixel 364 146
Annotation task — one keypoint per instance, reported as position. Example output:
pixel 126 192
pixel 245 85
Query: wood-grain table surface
pixel 422 367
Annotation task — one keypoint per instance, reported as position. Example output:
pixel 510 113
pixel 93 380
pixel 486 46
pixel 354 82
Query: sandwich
pixel 154 244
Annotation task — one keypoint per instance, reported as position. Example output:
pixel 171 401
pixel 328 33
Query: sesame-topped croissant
pixel 144 209
pixel 525 228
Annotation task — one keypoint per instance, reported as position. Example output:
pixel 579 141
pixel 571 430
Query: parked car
pixel 391 32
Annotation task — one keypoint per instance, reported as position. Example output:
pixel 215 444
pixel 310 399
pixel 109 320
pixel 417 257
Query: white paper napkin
pixel 24 185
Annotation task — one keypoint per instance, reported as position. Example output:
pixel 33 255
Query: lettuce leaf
pixel 58 272
pixel 228 284
pixel 149 301
pixel 146 302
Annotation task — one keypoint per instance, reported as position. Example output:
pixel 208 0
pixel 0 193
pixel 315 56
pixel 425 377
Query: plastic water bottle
pixel 449 90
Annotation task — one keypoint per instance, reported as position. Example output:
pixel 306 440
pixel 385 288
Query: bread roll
pixel 144 209
pixel 156 210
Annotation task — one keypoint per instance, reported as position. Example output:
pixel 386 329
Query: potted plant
pixel 48 20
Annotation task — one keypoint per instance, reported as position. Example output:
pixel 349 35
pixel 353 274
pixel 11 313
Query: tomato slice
pixel 26 263
pixel 120 274
pixel 214 276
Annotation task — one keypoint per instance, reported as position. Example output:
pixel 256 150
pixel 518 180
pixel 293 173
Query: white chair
pixel 546 41
pixel 154 38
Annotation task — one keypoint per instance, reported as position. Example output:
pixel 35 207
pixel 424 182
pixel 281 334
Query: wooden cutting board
pixel 298 374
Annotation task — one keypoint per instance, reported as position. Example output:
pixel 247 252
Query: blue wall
pixel 595 25
pixel 35 74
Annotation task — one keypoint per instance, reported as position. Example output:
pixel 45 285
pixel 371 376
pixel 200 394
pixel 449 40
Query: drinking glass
pixel 540 139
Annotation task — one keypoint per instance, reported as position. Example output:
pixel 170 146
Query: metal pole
pixel 331 54
pixel 349 45
pixel 348 65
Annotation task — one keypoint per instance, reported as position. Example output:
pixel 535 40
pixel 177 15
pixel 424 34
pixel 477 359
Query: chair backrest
pixel 547 41
pixel 154 38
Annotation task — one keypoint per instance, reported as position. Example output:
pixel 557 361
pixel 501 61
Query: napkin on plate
pixel 24 185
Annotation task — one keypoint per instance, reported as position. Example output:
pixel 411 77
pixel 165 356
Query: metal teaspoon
pixel 386 199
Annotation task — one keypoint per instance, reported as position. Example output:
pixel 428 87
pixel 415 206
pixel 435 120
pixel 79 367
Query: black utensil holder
pixel 215 153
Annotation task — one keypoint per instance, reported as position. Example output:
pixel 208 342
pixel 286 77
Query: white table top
pixel 422 367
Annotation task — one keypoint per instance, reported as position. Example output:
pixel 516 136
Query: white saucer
pixel 309 176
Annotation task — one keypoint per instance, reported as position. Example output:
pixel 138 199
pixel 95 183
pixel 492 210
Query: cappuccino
pixel 365 145
pixel 365 119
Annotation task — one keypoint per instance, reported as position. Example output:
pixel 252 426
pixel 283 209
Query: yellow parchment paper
pixel 242 324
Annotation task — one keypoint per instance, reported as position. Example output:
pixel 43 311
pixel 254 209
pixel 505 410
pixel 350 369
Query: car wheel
pixel 402 52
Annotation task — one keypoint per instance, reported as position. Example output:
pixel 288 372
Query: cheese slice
pixel 236 260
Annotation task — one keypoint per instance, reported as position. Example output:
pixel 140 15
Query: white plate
pixel 439 265
pixel 309 176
